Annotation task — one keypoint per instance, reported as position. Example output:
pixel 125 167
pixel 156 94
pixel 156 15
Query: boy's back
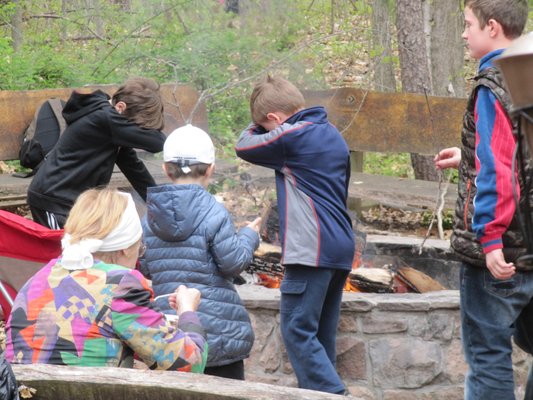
pixel 191 240
pixel 312 165
pixel 101 132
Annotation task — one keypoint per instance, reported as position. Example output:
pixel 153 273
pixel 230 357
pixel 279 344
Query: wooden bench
pixel 369 121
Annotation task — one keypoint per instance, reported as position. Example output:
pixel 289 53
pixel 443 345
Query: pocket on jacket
pixel 292 295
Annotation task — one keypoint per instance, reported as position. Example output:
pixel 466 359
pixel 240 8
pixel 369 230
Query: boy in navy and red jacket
pixel 496 291
pixel 312 165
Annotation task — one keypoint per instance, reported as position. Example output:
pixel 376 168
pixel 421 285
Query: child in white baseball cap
pixel 188 146
pixel 190 239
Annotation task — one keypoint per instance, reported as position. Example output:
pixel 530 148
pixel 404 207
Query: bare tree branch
pixel 126 37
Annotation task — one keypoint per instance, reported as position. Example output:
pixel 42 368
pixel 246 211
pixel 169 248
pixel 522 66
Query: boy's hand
pixel 448 158
pixel 255 224
pixel 498 267
pixel 184 299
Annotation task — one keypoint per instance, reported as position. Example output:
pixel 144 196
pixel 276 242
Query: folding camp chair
pixel 25 247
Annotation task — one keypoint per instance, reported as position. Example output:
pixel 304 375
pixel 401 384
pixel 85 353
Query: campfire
pixel 370 273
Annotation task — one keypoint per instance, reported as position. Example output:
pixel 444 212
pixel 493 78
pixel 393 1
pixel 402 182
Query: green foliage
pixel 13 166
pixel 448 217
pixel 193 42
pixel 389 164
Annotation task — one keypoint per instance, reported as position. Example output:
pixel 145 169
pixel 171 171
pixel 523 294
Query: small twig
pixel 439 206
pixel 437 213
pixel 162 296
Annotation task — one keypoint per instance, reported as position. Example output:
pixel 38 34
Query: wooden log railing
pixel 53 382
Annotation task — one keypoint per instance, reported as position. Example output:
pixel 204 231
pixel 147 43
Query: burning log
pixel 418 281
pixel 370 273
pixel 374 280
pixel 269 230
pixel 265 267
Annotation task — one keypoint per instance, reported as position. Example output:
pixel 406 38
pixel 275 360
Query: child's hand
pixel 255 224
pixel 448 158
pixel 184 299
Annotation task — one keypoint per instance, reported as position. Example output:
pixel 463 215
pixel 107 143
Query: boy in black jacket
pixel 101 132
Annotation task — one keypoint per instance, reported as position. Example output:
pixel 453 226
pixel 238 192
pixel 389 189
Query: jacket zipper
pixel 467 203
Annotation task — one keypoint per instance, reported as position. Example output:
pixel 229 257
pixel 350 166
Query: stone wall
pixel 389 347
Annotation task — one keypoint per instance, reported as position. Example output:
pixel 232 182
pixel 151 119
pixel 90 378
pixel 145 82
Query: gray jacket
pixel 190 239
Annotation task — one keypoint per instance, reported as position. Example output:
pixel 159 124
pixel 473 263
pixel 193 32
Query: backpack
pixel 41 135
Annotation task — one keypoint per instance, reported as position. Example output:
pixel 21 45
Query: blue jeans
pixel 494 311
pixel 310 309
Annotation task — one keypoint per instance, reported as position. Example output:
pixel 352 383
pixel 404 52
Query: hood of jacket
pixel 316 115
pixel 81 104
pixel 175 211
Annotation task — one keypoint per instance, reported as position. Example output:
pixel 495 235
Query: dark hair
pixel 274 94
pixel 174 171
pixel 510 14
pixel 144 104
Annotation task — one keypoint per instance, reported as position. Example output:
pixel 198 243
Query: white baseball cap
pixel 189 145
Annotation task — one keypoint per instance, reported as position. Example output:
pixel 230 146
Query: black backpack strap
pixel 56 105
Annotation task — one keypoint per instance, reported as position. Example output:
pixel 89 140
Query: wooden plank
pixel 18 107
pixel 370 121
pixel 392 122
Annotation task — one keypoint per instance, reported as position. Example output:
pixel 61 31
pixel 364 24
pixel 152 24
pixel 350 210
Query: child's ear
pixel 164 167
pixel 274 117
pixel 494 27
pixel 120 107
pixel 210 170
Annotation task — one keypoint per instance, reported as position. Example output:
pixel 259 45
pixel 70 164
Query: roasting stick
pixel 162 296
pixel 437 213
pixel 443 189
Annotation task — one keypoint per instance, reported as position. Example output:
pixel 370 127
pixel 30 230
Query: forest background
pixel 223 47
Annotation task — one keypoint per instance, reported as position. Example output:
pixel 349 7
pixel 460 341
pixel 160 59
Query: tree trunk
pixel 16 27
pixel 384 80
pixel 125 5
pixel 96 12
pixel 64 10
pixel 447 50
pixel 415 72
pixel 231 6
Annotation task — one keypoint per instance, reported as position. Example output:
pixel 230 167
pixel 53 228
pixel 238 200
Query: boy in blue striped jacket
pixel 496 291
pixel 312 165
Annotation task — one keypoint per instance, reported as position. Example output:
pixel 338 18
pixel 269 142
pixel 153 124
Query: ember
pixel 370 273
pixel 269 281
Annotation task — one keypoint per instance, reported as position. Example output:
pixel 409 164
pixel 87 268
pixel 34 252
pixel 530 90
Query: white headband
pixel 126 233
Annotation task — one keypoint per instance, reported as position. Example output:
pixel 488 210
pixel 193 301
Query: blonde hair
pixel 95 214
pixel 510 14
pixel 274 94
pixel 144 105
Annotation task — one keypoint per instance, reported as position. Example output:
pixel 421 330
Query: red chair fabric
pixel 25 246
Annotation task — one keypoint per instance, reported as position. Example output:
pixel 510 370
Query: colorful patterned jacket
pixel 95 317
